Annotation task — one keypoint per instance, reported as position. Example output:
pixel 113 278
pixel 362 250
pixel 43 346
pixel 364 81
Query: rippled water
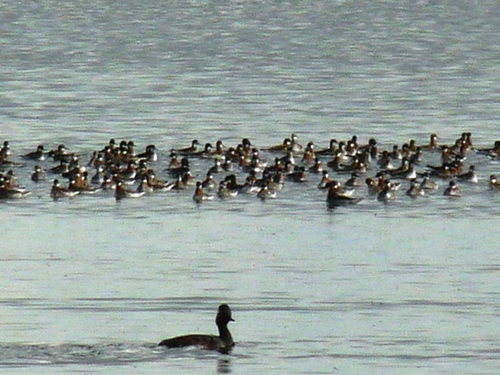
pixel 91 285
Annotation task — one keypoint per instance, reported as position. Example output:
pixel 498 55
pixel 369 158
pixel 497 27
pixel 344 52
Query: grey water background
pixel 90 285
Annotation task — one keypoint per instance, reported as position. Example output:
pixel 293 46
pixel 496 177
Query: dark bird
pixel 222 343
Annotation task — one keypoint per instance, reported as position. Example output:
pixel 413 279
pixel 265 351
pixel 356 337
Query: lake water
pixel 91 285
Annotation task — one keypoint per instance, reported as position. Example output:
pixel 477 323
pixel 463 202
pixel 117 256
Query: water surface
pixel 91 285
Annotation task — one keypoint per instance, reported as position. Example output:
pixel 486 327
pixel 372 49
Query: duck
pixel 219 149
pixel 209 182
pixel 35 155
pixel 224 192
pixel 298 175
pixel 295 146
pixel 222 343
pixel 128 174
pixel 231 184
pixel 469 176
pixel 216 168
pixel 309 156
pixel 415 191
pixel 265 193
pixel 433 143
pixel 354 181
pixel 373 186
pixel 337 197
pixel 282 148
pixel 199 195
pixel 57 191
pixel 494 182
pixel 453 190
pixel 325 180
pixel 427 183
pixel 227 164
pixel 156 184
pixel 179 170
pixel 5 151
pixel 148 155
pixel 331 150
pixel 387 194
pixel 144 186
pixel 121 192
pixel 317 167
pixel 205 153
pixel 80 183
pixel 396 153
pixel 417 156
pixel 179 184
pixel 385 161
pixel 188 179
pixel 371 148
pixel 98 178
pixel 60 154
pixel 174 161
pixel 401 171
pixel 492 152
pixel 38 174
pixel 109 183
pixel 12 192
pixel 250 185
pixel 10 179
pixel 188 150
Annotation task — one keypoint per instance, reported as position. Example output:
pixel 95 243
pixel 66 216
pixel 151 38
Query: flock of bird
pixel 118 168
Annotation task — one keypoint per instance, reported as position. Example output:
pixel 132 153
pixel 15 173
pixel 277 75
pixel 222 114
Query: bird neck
pixel 224 333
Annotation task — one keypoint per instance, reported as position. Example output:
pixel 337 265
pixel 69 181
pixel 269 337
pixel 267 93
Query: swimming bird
pixel 11 192
pixel 144 186
pixel 232 185
pixel 98 178
pixel 309 156
pixel 60 154
pixel 469 176
pixel 5 151
pixel 224 192
pixel 494 182
pixel 222 343
pixel 148 155
pixel 317 167
pixel 209 182
pixel 35 155
pixel 295 145
pixel 427 183
pixel 433 143
pixel 265 193
pixel 492 152
pixel 387 194
pixel 199 195
pixel 284 147
pixel 325 179
pixel 298 175
pixel 336 197
pixel 58 191
pixel 205 153
pixel 453 190
pixel 121 192
pixel 331 150
pixel 354 181
pixel 415 191
pixel 188 150
pixel 38 174
pixel 373 186
pixel 156 184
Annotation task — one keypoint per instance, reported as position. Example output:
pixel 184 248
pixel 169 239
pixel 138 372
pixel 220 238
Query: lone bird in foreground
pixel 222 343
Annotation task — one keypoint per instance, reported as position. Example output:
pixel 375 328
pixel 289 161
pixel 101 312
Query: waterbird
pixel 222 343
